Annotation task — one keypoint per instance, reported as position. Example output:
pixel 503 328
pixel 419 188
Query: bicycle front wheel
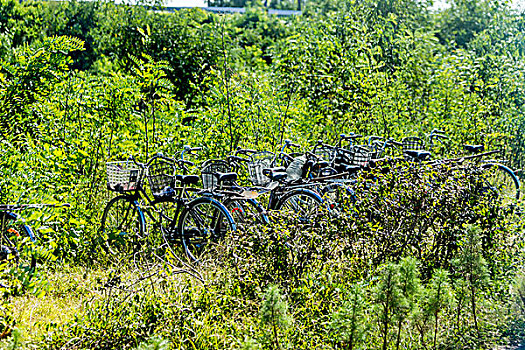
pixel 17 251
pixel 503 182
pixel 122 226
pixel 202 223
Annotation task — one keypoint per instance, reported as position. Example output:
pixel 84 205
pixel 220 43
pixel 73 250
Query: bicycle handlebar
pixel 245 151
pixel 352 136
pixel 237 159
pixel 288 143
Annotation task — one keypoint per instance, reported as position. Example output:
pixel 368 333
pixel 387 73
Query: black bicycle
pixel 183 214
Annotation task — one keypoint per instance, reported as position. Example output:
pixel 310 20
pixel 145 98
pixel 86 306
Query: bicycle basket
pixel 161 176
pixel 211 167
pixel 361 155
pixel 123 176
pixel 259 161
pixel 412 143
pixel 344 156
pixel 377 148
pixel 325 152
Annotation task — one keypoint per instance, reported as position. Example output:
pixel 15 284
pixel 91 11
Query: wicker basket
pixel 123 176
pixel 161 176
pixel 211 167
pixel 260 161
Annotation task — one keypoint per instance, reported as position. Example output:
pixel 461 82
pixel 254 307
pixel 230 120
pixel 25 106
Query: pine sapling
pixel 388 297
pixel 472 267
pixel 409 284
pixel 348 321
pixel 274 313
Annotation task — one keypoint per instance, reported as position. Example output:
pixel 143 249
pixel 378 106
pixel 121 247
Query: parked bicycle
pixel 17 245
pixel 182 213
pixel 499 180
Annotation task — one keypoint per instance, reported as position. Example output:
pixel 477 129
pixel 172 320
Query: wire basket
pixel 259 161
pixel 344 156
pixel 377 148
pixel 361 155
pixel 211 167
pixel 324 152
pixel 412 144
pixel 123 176
pixel 161 176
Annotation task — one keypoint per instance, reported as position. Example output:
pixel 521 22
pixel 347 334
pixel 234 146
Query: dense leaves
pixel 414 257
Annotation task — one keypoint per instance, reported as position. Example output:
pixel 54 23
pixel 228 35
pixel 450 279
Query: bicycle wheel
pixel 304 203
pixel 17 251
pixel 203 221
pixel 246 212
pixel 338 197
pixel 122 226
pixel 503 182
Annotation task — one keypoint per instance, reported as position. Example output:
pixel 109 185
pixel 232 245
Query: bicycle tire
pixel 246 212
pixel 17 252
pixel 122 226
pixel 203 222
pixel 338 197
pixel 302 202
pixel 504 182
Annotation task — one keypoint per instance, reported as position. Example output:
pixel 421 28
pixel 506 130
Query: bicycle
pixel 285 190
pixel 18 258
pixel 501 181
pixel 184 214
pixel 220 178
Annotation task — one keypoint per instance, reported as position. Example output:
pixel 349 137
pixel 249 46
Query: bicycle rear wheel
pixel 246 212
pixel 122 226
pixel 503 182
pixel 202 223
pixel 17 251
pixel 303 203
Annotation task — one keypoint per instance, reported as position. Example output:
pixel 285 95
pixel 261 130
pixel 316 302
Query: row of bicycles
pixel 222 195
pixel 170 202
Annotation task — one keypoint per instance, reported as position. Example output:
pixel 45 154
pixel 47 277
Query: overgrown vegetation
pixel 418 259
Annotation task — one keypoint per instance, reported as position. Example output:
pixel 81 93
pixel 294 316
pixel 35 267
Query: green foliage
pixel 348 322
pixel 27 79
pixel 274 314
pixel 419 257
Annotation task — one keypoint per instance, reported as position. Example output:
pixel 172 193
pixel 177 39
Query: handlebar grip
pixel 196 149
pixel 294 145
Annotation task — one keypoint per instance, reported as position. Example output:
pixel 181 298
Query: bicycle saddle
pixel 419 155
pixel 351 169
pixel 188 179
pixel 474 148
pixel 275 174
pixel 225 177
